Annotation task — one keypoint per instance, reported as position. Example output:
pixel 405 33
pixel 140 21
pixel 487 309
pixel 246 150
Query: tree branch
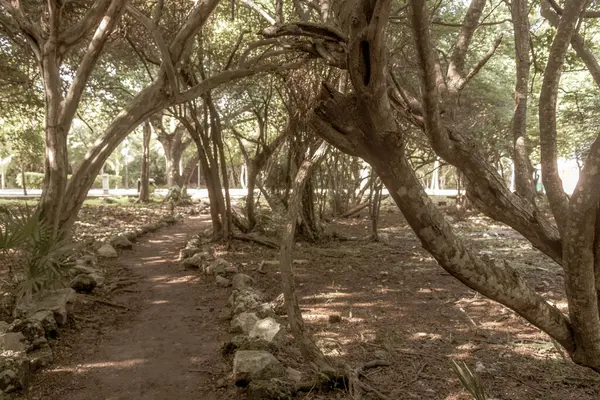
pixel 457 61
pixel 583 51
pixel 92 18
pixel 481 63
pixel 167 62
pixel 547 111
pixel 255 7
pixel 89 60
pixel 560 11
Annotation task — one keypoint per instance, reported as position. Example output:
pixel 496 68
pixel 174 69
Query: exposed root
pixel 105 302
pixel 257 239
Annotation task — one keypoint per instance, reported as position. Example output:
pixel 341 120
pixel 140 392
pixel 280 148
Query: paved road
pixel 195 193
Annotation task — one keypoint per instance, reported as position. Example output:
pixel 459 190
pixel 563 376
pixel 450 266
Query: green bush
pixel 33 180
pixel 115 181
pixel 35 258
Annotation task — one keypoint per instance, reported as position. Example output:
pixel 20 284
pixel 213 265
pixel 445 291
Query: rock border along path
pixel 168 349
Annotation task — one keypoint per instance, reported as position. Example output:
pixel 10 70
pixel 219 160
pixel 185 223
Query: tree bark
pixel 144 195
pixel 310 352
pixel 362 124
pixel 547 110
pixel 523 169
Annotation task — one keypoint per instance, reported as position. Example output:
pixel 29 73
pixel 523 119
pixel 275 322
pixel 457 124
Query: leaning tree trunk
pixel 523 170
pixel 310 352
pixel 144 196
pixel 363 124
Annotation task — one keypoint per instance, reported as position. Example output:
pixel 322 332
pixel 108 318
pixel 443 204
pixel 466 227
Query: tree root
pixel 356 387
pixel 105 302
pixel 257 239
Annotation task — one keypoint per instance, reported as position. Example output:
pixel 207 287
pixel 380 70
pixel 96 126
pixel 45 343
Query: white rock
pixel 255 364
pixel 243 322
pixel 224 282
pixel 241 281
pixel 293 374
pixel 12 342
pixel 265 329
pixel 107 251
pixel 58 301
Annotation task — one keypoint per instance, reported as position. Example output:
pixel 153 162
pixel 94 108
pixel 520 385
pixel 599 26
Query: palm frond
pixel 470 381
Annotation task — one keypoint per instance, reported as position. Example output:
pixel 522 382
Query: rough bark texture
pixel 523 170
pixel 310 352
pixel 547 110
pixel 362 124
pixel 144 188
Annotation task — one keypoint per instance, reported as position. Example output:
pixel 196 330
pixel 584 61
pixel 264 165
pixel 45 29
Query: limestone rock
pixel 130 235
pixel 265 310
pixel 48 321
pixel 12 343
pixel 84 283
pixel 40 357
pixel 224 282
pixel 293 374
pixel 278 305
pixel 243 323
pixel 58 301
pixel 94 273
pixel 265 329
pixel 31 329
pixel 246 300
pixel 242 281
pixel 220 267
pixel 121 242
pixel 243 342
pixel 88 259
pixel 107 251
pixel 196 260
pixel 251 365
pixel 14 373
pixel 272 389
pixel 188 252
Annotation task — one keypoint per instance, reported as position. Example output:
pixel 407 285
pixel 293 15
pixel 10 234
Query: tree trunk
pixel 522 166
pixel 310 352
pixel 23 180
pixel 252 176
pixel 363 124
pixel 145 176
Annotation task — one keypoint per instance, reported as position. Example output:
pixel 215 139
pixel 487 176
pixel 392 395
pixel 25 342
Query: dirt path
pixel 166 348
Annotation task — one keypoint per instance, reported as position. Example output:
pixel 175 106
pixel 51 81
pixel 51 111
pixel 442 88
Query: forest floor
pixel 395 303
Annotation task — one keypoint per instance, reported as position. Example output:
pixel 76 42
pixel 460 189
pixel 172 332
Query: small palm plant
pixel 470 381
pixel 36 258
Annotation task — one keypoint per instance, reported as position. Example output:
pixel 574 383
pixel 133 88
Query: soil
pixel 394 301
pixel 165 347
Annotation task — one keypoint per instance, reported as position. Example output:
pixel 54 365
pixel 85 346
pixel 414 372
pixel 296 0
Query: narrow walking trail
pixel 167 347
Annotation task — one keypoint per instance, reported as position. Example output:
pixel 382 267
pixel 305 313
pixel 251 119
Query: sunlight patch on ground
pixel 109 364
pixel 169 280
pixel 330 295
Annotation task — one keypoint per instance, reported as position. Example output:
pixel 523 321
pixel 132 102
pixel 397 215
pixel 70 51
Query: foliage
pixel 470 381
pixel 36 259
pixel 178 195
pixel 35 180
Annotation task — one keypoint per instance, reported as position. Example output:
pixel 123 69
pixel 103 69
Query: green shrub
pixel 178 196
pixel 115 181
pixel 33 180
pixel 35 258
pixel 469 380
